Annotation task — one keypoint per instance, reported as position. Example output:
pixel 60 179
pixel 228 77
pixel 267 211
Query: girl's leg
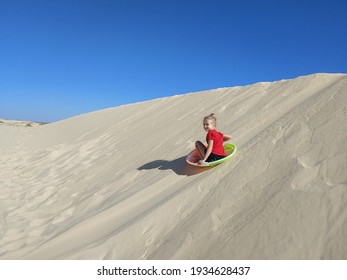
pixel 201 148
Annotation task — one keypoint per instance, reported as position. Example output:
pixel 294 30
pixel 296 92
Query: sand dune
pixel 113 184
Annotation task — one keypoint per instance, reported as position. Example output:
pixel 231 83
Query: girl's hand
pixel 226 137
pixel 202 162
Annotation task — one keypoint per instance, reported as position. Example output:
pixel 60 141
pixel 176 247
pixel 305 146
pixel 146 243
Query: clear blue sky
pixel 63 58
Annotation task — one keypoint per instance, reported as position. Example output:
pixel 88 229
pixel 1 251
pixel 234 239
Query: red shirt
pixel 217 137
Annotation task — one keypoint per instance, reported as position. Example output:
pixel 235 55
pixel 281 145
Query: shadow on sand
pixel 179 166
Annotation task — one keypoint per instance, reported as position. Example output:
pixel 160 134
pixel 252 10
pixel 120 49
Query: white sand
pixel 113 184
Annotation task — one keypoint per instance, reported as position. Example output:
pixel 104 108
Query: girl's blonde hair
pixel 212 117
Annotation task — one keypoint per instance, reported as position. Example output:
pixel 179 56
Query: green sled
pixel 193 157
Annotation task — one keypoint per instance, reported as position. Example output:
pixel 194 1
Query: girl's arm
pixel 226 137
pixel 209 149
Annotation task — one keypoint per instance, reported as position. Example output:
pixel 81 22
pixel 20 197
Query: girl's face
pixel 208 125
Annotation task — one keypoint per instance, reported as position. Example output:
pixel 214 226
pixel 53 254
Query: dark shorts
pixel 214 157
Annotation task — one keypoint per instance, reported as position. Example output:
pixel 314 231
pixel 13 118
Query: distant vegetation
pixel 20 123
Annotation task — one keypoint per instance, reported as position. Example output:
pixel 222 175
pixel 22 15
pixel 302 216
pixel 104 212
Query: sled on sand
pixel 193 157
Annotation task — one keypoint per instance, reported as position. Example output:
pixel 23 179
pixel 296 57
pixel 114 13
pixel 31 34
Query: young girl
pixel 214 139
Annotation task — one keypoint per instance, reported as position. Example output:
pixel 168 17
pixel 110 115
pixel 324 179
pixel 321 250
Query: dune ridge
pixel 113 184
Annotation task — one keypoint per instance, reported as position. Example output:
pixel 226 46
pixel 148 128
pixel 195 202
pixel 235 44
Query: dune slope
pixel 113 184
